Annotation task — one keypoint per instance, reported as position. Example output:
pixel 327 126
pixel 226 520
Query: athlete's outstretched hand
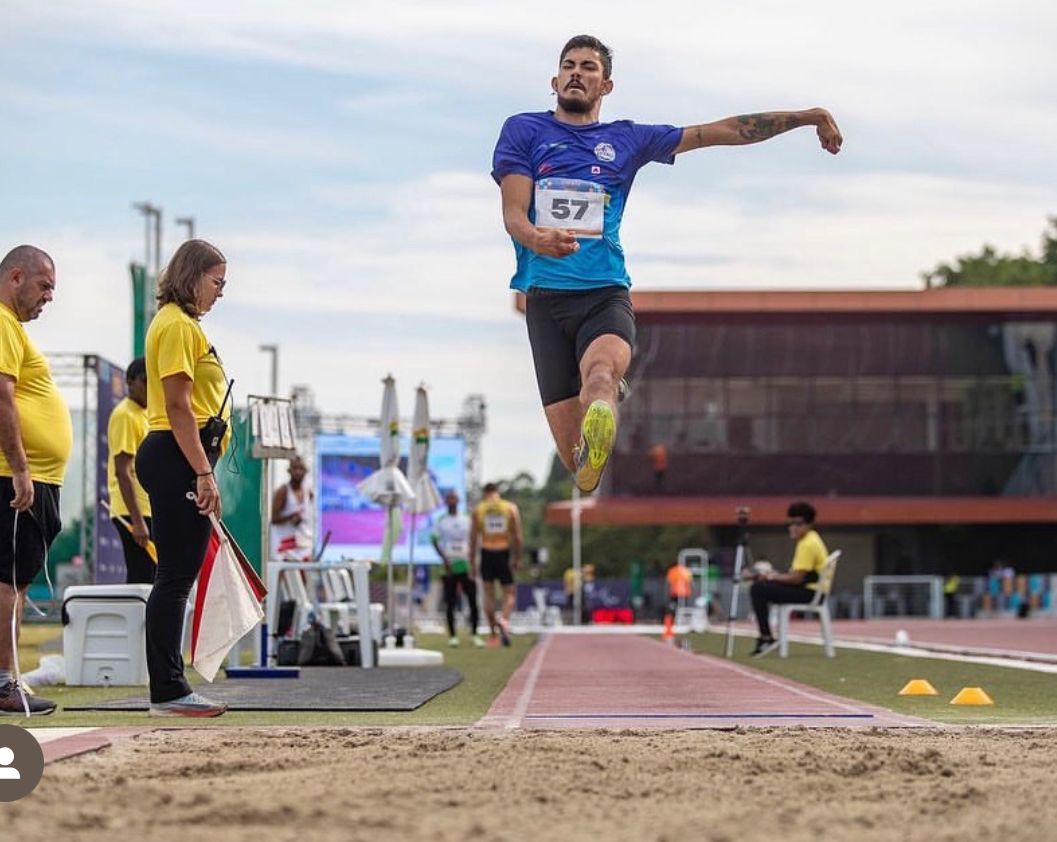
pixel 555 242
pixel 828 133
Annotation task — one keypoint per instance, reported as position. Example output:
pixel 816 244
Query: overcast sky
pixel 339 154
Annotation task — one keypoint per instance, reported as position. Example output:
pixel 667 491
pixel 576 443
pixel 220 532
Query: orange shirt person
pixel 680 581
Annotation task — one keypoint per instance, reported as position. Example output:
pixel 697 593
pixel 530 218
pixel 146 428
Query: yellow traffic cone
pixel 972 696
pixel 918 687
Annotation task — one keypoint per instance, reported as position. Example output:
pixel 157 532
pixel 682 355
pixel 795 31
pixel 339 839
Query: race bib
pixel 573 204
pixel 494 524
pixel 456 548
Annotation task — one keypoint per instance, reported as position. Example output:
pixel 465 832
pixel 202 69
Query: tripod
pixel 742 557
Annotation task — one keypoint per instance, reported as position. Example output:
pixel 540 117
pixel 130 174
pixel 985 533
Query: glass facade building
pixel 921 424
pixel 857 403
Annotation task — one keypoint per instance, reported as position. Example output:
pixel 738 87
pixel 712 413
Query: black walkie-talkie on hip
pixel 213 431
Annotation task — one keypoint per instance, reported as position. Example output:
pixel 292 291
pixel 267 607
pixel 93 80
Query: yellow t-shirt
pixel 810 555
pixel 494 519
pixel 47 432
pixel 177 344
pixel 126 430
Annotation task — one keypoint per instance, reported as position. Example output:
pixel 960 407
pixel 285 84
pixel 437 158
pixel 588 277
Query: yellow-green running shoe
pixel 597 434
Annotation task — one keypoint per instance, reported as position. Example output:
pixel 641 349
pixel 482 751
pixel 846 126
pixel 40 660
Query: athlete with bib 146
pixel 564 178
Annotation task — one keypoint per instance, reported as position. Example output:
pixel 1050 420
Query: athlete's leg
pixel 603 364
pixel 489 605
pixel 508 603
pixel 449 601
pixel 469 590
pixel 564 418
pixel 552 339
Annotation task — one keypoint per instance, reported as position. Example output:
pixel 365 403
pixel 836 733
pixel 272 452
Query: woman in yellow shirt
pixel 186 391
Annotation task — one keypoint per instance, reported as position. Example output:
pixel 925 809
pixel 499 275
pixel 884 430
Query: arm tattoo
pixel 756 127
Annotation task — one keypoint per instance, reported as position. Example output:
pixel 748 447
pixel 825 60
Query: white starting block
pixel 103 636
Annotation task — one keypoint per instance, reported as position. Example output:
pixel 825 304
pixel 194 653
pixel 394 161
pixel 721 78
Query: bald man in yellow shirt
pixel 798 585
pixel 36 437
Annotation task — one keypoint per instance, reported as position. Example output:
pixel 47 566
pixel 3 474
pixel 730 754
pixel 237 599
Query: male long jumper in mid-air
pixel 564 178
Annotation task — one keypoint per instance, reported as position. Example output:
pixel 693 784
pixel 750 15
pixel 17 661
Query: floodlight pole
pixel 152 214
pixel 578 592
pixel 189 223
pixel 274 351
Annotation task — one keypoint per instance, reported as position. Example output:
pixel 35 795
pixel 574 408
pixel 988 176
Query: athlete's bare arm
pixel 516 191
pixel 752 128
pixel 473 542
pixel 517 536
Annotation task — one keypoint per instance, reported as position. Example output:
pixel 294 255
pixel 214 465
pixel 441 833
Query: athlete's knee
pixel 601 373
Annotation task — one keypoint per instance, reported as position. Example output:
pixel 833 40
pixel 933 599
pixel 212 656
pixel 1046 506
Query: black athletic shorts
pixel 495 564
pixel 562 324
pixel 37 528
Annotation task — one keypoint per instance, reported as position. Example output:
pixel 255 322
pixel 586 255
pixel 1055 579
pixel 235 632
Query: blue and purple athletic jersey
pixel 582 177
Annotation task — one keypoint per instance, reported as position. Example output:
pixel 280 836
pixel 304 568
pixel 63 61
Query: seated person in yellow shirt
pixel 798 585
pixel 129 504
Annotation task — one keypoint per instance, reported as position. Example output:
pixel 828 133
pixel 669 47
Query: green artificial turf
pixel 485 672
pixel 1021 697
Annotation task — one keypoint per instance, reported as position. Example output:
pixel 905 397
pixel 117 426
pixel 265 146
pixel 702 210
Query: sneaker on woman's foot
pixel 190 705
pixel 11 702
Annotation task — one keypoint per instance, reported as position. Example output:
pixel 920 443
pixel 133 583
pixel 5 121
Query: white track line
pixel 940 653
pixel 766 679
pixel 48 735
pixel 517 718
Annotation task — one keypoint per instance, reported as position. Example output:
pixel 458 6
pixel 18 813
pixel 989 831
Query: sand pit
pixel 352 784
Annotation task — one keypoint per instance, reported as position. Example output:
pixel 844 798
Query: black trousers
pixel 181 535
pixel 452 582
pixel 139 566
pixel 766 594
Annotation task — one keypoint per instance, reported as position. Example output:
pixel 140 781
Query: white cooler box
pixel 103 636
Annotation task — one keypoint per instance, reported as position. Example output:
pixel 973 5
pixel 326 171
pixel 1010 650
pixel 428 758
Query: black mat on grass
pixel 319 688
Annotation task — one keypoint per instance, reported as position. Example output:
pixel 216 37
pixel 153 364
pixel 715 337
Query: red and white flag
pixel 227 602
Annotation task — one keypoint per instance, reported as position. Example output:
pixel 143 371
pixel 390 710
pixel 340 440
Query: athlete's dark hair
pixel 802 510
pixel 136 369
pixel 591 43
pixel 490 487
pixel 179 280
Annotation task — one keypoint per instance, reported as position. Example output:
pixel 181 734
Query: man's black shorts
pixel 37 528
pixel 495 564
pixel 561 324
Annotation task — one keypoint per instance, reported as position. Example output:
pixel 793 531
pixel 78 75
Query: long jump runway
pixel 626 681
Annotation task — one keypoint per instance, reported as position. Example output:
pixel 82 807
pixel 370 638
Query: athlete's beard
pixel 575 106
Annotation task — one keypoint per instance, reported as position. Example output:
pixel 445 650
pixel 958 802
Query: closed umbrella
pixel 388 486
pixel 426 496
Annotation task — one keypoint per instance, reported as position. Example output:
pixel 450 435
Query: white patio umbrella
pixel 427 497
pixel 388 485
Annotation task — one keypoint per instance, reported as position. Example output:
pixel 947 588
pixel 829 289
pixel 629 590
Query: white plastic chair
pixel 819 605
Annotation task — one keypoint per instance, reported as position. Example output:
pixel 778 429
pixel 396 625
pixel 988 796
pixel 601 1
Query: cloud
pixel 339 156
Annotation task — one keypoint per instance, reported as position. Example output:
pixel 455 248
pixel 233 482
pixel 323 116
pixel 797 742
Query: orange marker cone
pixel 668 635
pixel 918 687
pixel 972 696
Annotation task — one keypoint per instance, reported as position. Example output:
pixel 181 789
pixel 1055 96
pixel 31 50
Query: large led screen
pixel 356 525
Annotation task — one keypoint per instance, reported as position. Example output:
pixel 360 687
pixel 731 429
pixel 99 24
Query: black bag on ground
pixel 319 648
